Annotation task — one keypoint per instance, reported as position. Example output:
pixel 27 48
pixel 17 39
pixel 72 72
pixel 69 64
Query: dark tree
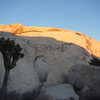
pixel 11 53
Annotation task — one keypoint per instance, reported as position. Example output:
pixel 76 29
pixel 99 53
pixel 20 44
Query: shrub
pixel 31 95
pixel 10 96
pixel 51 98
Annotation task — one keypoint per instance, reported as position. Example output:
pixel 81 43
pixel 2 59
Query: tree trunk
pixel 3 91
pixel 5 81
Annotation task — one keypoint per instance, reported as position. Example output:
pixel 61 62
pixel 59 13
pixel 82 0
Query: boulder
pixel 59 92
pixel 83 76
pixel 93 93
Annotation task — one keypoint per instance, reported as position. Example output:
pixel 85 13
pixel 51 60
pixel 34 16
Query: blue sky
pixel 76 15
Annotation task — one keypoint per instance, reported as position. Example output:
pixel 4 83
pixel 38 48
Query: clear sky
pixel 76 15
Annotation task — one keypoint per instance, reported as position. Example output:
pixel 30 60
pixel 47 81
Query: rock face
pixel 91 45
pixel 50 55
pixel 46 60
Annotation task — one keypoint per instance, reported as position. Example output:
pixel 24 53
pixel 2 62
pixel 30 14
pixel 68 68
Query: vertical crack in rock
pixel 41 72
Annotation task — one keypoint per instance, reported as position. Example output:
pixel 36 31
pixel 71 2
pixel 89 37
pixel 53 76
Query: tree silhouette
pixel 11 53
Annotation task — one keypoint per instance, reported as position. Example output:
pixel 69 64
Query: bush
pixel 10 96
pixel 31 95
pixel 44 98
pixel 51 98
pixel 13 96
